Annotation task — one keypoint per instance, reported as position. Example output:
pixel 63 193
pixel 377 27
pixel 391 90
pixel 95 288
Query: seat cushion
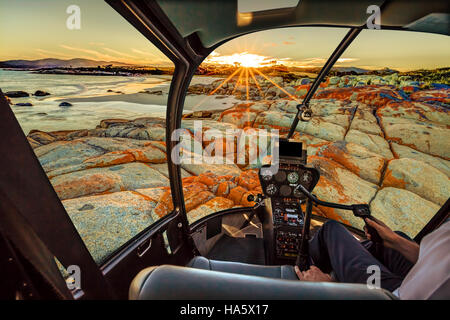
pixel 172 282
pixel 277 272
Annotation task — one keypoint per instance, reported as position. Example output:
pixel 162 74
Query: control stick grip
pixel 374 236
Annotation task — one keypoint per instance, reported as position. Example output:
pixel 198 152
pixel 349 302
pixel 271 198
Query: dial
pixel 285 190
pixel 280 176
pixel 306 178
pixel 292 177
pixel 298 193
pixel 267 177
pixel 271 189
pixel 266 174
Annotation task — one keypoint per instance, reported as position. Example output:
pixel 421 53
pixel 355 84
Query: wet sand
pixel 192 102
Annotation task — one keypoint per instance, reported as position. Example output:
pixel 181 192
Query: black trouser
pixel 334 248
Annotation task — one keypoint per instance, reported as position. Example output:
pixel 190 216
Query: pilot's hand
pixel 388 236
pixel 313 274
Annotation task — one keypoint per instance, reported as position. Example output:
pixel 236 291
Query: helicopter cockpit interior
pixel 91 179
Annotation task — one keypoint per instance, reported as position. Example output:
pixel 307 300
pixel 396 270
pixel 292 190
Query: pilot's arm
pixel 409 249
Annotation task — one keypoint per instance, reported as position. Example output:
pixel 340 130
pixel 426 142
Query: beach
pixel 94 98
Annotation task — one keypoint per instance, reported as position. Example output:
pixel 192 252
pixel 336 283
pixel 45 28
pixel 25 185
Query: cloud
pixel 144 53
pixel 53 54
pixel 287 43
pixel 120 54
pixel 95 54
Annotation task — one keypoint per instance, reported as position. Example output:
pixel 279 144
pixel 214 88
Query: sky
pixel 36 29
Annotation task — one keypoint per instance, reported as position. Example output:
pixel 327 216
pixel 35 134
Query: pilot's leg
pixel 334 248
pixel 394 260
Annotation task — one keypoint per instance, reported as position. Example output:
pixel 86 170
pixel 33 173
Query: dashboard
pixel 285 213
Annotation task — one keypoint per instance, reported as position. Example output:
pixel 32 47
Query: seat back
pixel 171 283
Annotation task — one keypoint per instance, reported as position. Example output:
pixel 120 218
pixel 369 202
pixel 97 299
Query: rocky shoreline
pixel 381 144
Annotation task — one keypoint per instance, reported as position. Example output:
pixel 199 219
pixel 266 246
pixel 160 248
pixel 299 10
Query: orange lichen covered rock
pixel 237 194
pixel 241 115
pixel 418 177
pixel 428 137
pixel 224 188
pixel 128 176
pixel 374 143
pixel 438 95
pixel 248 179
pixel 337 184
pixel 149 154
pixel 415 111
pixel 200 198
pixel 109 159
pixel 211 206
pixel 354 157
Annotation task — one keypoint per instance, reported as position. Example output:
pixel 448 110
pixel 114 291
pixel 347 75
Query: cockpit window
pixel 243 95
pixel 379 133
pixel 91 98
pixel 400 89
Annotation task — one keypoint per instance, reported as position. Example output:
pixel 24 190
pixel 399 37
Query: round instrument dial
pixel 285 190
pixel 292 177
pixel 271 189
pixel 280 176
pixel 306 178
pixel 298 193
pixel 266 174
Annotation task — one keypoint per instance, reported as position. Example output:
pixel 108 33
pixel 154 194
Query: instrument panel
pixel 287 215
pixel 283 183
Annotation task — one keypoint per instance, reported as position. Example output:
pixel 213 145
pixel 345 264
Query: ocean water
pixel 46 115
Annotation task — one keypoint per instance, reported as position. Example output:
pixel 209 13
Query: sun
pixel 243 59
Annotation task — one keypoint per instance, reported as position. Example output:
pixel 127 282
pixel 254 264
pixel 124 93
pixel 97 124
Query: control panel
pixel 285 199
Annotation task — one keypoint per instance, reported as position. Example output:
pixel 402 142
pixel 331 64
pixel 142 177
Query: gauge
pixel 285 190
pixel 306 178
pixel 292 177
pixel 280 176
pixel 267 177
pixel 298 193
pixel 271 189
pixel 266 174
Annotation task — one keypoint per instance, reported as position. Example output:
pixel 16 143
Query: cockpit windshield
pixel 379 131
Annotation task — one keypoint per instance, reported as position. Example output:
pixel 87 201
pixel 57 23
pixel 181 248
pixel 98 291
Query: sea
pixel 47 115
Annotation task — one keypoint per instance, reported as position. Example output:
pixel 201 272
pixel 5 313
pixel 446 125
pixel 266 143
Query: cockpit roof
pixel 216 21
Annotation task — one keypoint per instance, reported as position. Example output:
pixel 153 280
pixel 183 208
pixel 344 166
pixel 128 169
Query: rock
pixel 33 143
pixel 401 151
pixel 40 93
pixel 214 205
pixel 41 137
pixel 416 111
pixel 102 219
pixel 24 104
pixel 365 121
pixel 286 92
pixel 64 153
pixel 372 142
pixel 316 127
pixel 240 115
pixel 427 137
pixel 106 123
pixel 354 157
pixel 307 139
pixel 434 95
pixel 337 184
pixel 221 170
pixel 129 176
pixel 418 177
pixel 65 104
pixel 17 94
pixel 402 210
